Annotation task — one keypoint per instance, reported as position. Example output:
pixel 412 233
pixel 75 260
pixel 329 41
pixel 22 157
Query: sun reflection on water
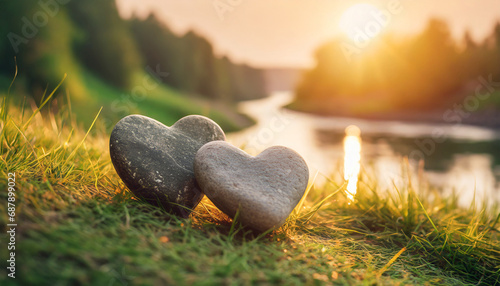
pixel 352 158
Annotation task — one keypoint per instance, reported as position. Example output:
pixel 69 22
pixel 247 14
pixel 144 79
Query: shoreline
pixel 486 118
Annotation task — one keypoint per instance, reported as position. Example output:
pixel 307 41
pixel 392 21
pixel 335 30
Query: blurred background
pixel 419 79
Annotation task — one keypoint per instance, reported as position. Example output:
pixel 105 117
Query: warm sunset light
pixel 356 19
pixel 352 158
pixel 152 142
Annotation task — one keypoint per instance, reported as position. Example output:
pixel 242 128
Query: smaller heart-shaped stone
pixel 156 161
pixel 265 188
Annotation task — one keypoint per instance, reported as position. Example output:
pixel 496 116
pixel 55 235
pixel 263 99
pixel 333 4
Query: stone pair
pixel 173 167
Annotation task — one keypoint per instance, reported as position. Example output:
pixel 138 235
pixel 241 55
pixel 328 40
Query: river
pixel 460 158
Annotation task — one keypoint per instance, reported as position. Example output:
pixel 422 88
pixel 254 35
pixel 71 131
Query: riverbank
pixel 489 118
pixel 78 224
pixel 467 108
pixel 161 102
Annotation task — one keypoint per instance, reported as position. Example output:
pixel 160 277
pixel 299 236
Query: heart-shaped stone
pixel 265 188
pixel 156 161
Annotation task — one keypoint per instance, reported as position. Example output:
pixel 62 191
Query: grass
pixel 79 225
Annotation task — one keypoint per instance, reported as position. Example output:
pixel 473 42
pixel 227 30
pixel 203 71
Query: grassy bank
pixel 78 224
pixel 148 96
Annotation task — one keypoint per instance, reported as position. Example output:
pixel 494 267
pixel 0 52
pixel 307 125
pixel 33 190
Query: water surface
pixel 460 158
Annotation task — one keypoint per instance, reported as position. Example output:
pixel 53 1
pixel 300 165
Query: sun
pixel 357 19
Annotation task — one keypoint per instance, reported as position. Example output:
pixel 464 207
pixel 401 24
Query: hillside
pixel 131 66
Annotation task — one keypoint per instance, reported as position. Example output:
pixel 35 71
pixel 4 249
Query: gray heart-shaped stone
pixel 156 161
pixel 265 188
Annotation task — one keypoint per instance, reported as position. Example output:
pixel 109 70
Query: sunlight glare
pixel 352 158
pixel 356 18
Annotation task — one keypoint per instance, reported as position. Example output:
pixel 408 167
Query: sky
pixel 285 33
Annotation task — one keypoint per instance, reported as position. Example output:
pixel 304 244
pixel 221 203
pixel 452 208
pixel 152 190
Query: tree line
pixel 53 37
pixel 424 72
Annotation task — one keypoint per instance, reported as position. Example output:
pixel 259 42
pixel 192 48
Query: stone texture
pixel 265 188
pixel 156 161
